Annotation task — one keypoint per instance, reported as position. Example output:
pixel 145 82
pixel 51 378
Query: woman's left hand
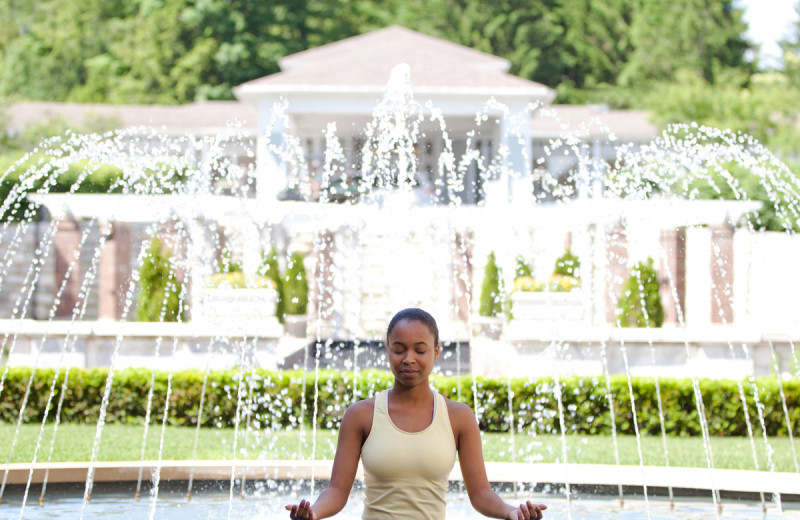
pixel 527 511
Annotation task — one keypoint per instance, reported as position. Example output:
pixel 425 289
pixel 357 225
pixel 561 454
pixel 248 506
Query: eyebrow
pixel 403 344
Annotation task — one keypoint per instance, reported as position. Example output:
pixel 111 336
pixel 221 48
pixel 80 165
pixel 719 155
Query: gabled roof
pixel 364 63
pixel 208 117
pixel 592 121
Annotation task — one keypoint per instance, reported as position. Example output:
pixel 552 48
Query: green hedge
pixel 275 399
pixel 100 179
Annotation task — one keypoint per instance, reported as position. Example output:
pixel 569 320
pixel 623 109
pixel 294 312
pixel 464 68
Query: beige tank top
pixel 406 474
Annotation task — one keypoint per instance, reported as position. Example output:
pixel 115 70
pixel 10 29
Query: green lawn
pixel 74 443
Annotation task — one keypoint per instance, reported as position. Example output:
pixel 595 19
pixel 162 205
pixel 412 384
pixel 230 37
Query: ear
pixel 436 351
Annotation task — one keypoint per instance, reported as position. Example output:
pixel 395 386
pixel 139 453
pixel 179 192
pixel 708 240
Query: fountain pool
pixel 268 504
pixel 382 237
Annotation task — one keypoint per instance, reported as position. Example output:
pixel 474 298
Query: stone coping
pixel 697 479
pixel 522 331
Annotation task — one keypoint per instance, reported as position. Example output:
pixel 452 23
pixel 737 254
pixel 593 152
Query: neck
pixel 421 392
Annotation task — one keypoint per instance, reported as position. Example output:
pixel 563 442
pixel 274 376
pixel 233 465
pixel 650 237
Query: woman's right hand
pixel 302 510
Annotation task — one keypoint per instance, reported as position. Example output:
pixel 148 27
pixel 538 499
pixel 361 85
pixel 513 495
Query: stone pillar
pixel 114 272
pixel 462 267
pixel 721 274
pixel 672 274
pixel 67 248
pixel 321 299
pixel 272 175
pixel 174 237
pixel 617 265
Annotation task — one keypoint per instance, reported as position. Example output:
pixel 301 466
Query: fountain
pixel 383 233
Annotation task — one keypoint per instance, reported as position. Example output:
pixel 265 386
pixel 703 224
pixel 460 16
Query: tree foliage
pixel 176 51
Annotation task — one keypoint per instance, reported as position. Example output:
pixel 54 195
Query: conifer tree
pixel 159 291
pixel 523 268
pixel 270 269
pixel 640 303
pixel 491 303
pixel 295 286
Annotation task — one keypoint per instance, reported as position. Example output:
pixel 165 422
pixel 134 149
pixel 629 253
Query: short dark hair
pixel 414 314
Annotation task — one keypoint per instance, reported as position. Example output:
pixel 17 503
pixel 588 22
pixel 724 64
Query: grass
pixel 74 442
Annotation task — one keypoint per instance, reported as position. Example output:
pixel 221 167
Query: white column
pixel 271 168
pixel 515 137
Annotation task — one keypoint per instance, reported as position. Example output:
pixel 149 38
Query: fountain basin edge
pixel 684 481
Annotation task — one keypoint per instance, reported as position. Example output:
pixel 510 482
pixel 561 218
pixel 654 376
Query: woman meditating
pixel 407 438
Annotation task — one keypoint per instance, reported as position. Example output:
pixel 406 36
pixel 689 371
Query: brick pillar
pixel 462 266
pixel 672 273
pixel 721 274
pixel 67 243
pixel 173 236
pixel 114 271
pixel 617 262
pixel 321 301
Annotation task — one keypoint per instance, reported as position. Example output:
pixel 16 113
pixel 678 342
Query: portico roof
pixel 363 64
pixel 592 122
pixel 203 118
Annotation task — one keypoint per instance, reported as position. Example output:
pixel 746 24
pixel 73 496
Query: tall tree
pixel 702 36
pixel 175 51
pixel 596 43
pixel 55 38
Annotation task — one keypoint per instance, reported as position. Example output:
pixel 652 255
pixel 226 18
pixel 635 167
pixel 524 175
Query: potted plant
pixel 295 296
pixel 558 299
pixel 233 297
pixel 489 322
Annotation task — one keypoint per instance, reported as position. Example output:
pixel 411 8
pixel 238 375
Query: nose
pixel 408 358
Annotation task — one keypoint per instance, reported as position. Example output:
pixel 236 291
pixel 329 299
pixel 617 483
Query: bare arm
pixel 473 469
pixel 352 433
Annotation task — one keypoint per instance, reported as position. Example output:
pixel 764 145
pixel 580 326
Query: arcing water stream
pixel 414 227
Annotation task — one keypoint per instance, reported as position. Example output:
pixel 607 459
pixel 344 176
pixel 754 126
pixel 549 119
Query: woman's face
pixel 412 352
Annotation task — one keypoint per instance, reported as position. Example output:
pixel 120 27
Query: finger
pixel 535 510
pixel 524 512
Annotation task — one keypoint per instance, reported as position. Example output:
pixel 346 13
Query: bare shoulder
pixel 359 416
pixel 460 414
pixel 365 407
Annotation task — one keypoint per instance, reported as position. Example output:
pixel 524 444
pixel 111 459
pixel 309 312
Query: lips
pixel 408 373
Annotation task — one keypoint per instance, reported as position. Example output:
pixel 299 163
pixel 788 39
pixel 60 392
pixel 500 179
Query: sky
pixel 769 21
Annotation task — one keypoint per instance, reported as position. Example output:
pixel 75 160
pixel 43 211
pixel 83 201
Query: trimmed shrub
pixel 295 286
pixel 640 303
pixel 523 268
pixel 227 264
pixel 159 290
pixel 99 179
pixel 567 265
pixel 491 302
pixel 275 400
pixel 269 268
